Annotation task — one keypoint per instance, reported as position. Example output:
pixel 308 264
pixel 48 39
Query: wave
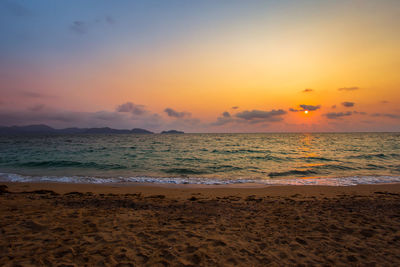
pixel 207 170
pixel 234 151
pixel 316 159
pixel 269 157
pixel 377 155
pixel 184 171
pixel 292 172
pixel 67 163
pixel 334 167
pixel 332 181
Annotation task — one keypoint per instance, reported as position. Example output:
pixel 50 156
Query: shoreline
pixel 202 181
pixel 176 189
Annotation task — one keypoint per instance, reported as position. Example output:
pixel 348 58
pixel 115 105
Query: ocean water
pixel 273 158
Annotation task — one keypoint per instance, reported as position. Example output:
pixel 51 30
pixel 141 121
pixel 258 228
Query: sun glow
pixel 305 111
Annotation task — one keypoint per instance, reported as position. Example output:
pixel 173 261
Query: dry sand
pixel 94 225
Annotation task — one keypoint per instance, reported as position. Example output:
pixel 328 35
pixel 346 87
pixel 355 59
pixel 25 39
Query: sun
pixel 306 111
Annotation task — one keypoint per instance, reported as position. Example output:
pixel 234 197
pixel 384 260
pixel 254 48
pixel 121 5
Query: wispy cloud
pixel 36 108
pixel 337 115
pixel 308 90
pixel 360 112
pixel 387 115
pixel 15 9
pixel 110 20
pixel 31 94
pixel 353 88
pixel 79 27
pixel 106 115
pixel 83 26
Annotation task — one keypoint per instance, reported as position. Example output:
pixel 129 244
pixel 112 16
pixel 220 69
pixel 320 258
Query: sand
pixel 49 224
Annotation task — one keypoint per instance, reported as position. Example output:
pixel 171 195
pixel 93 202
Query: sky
pixel 201 66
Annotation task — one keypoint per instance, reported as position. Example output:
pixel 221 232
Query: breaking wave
pixel 333 181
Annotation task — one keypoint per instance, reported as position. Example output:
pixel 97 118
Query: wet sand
pixel 97 225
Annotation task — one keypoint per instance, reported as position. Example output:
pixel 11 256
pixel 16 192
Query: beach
pixel 56 224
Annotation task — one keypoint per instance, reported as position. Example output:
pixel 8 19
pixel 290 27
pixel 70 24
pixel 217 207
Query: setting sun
pixel 305 111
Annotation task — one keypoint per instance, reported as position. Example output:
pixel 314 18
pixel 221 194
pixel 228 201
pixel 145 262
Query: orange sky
pixel 256 56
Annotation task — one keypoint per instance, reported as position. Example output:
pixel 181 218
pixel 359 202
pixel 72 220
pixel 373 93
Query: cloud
pixel 176 114
pixel 235 107
pixel 385 102
pixel 36 108
pixel 333 106
pixel 79 27
pixel 387 115
pixel 310 107
pixel 15 8
pixel 249 116
pixel 348 104
pixel 337 115
pixel 305 107
pixel 82 27
pixel 39 116
pixel 223 119
pixel 110 20
pixel 308 90
pixel 261 115
pixel 65 118
pixel 348 88
pixel 360 112
pixel 130 107
pixel 31 94
pixel 226 114
pixel 106 115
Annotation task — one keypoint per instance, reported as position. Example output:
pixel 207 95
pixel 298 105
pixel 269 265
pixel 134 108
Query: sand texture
pixel 293 226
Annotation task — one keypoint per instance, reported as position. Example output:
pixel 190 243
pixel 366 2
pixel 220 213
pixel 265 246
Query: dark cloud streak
pixel 348 88
pixel 130 107
pixel 31 94
pixel 79 27
pixel 305 107
pixel 271 116
pixel 176 114
pixel 15 9
pixel 348 104
pixel 337 115
pixel 387 115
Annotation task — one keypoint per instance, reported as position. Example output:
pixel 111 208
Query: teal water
pixel 337 159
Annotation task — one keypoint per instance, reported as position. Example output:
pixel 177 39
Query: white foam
pixel 332 181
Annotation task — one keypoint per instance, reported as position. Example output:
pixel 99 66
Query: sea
pixel 335 159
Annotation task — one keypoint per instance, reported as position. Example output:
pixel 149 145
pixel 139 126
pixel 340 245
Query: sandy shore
pixel 141 225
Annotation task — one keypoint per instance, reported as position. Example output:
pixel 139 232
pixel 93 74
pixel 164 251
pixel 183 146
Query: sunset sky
pixel 201 66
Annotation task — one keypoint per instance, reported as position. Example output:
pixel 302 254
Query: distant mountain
pixel 106 130
pixel 44 129
pixel 172 132
pixel 140 131
pixel 72 130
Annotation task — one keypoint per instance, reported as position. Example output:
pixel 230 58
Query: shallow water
pixel 323 158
